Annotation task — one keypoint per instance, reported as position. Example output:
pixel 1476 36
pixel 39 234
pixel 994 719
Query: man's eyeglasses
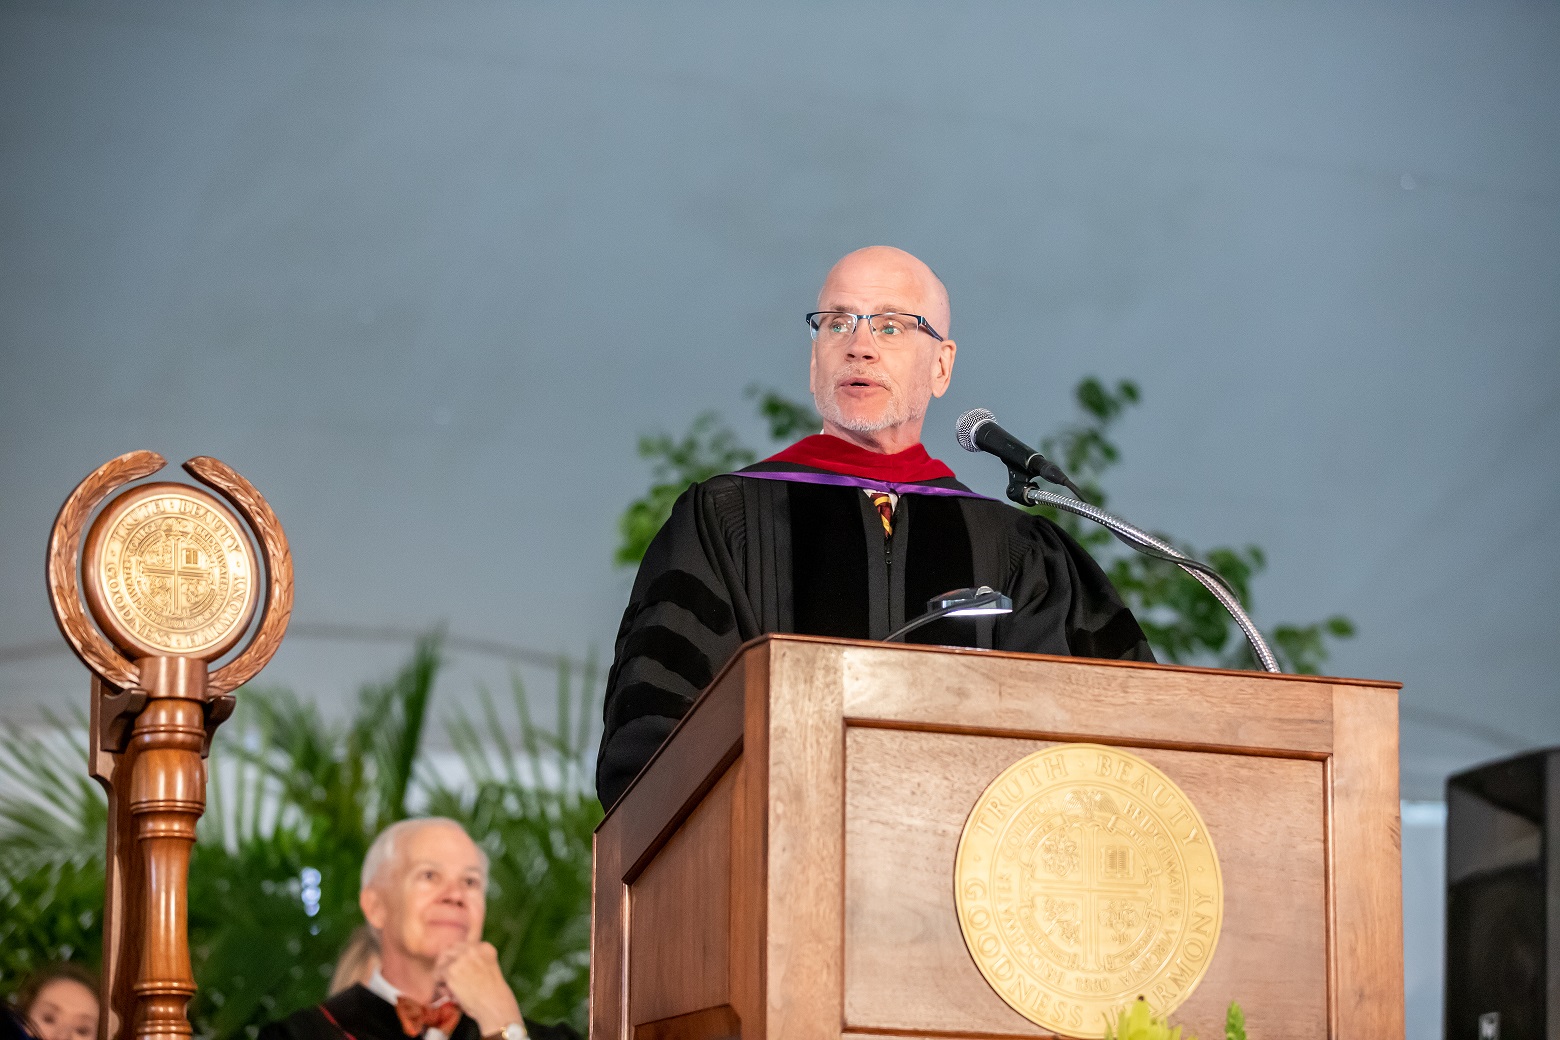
pixel 838 326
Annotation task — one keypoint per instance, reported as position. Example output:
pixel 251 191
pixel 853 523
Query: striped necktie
pixel 885 508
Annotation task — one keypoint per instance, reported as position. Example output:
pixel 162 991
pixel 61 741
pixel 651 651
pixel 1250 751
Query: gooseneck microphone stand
pixel 1024 492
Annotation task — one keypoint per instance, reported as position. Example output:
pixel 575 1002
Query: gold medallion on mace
pixel 1084 879
pixel 169 571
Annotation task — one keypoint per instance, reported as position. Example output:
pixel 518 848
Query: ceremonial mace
pixel 171 577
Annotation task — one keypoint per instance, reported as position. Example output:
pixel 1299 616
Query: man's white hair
pixel 382 852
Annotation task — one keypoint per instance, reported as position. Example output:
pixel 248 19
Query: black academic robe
pixel 744 554
pixel 361 1014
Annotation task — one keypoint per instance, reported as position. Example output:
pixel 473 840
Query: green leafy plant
pixel 1137 1022
pixel 293 803
pixel 1234 1023
pixel 786 420
pixel 51 850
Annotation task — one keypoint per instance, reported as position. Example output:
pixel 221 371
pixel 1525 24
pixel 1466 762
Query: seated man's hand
pixel 471 973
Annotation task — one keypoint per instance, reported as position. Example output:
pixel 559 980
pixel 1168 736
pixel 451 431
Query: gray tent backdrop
pixel 423 273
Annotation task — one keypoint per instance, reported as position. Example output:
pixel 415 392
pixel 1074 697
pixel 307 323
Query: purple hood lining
pixel 842 480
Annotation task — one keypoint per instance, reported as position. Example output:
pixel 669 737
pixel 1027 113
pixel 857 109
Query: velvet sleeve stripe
pixel 671 650
pixel 641 698
pixel 687 591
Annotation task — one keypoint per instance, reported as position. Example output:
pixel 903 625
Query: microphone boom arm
pixel 1026 493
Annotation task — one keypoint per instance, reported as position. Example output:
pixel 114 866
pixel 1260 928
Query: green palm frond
pixel 60 812
pixel 53 826
pixel 388 731
pixel 531 803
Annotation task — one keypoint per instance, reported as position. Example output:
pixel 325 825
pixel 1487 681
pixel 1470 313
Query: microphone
pixel 977 430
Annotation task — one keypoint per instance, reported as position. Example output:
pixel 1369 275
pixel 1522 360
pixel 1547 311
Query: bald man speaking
pixel 848 532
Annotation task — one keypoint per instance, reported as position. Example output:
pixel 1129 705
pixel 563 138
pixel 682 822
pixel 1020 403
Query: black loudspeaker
pixel 1503 900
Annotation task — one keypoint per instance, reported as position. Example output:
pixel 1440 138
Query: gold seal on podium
pixel 1085 878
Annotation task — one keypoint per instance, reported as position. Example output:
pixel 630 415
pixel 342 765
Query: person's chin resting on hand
pixel 424 893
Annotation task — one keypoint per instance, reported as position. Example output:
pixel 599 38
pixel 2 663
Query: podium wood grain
pixel 783 867
pixel 906 966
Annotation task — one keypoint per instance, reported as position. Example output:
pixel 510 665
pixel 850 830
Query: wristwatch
pixel 513 1031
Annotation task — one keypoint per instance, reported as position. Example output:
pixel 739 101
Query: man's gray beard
pixel 894 415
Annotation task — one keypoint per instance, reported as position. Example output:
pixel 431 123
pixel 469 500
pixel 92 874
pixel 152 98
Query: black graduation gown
pixel 742 556
pixel 362 1014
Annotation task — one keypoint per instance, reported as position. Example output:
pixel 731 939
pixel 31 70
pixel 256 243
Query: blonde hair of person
pixel 358 961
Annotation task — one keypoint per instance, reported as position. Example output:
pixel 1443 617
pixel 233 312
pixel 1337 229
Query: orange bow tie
pixel 416 1016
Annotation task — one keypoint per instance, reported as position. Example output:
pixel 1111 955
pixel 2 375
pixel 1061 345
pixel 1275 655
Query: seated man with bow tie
pixel 424 893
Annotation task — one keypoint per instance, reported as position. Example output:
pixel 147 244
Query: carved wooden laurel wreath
pixel 95 651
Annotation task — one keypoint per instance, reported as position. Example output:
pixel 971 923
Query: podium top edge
pixel 916 648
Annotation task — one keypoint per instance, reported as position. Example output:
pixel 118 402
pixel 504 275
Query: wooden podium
pixel 783 869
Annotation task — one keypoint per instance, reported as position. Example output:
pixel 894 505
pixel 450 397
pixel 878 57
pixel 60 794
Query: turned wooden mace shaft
pixel 167 798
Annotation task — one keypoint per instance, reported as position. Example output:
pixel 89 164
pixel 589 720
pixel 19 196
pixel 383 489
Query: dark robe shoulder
pixel 358 1013
pixel 1063 602
pixel 740 557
